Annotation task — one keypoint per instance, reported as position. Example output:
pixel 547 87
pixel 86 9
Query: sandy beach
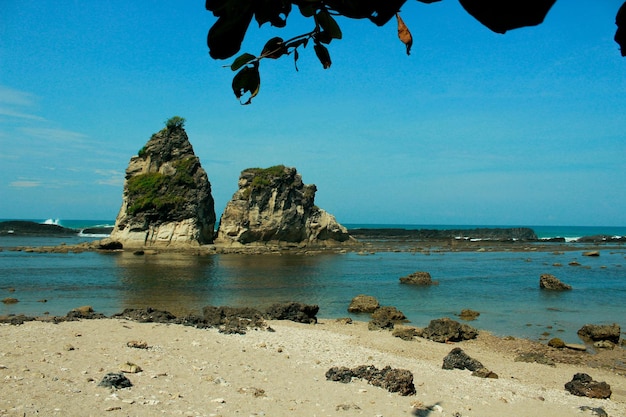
pixel 55 369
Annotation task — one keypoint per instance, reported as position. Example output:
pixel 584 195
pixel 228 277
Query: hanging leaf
pixel 322 54
pixel 296 55
pixel 241 61
pixel 274 48
pixel 328 24
pixel 248 80
pixel 404 34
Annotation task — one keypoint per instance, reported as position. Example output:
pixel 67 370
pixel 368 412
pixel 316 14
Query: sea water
pixel 502 286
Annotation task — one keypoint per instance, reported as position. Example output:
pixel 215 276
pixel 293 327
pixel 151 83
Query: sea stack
pixel 167 199
pixel 273 205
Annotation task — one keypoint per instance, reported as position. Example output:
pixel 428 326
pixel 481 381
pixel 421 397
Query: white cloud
pixel 25 184
pixel 10 99
pixel 113 177
pixel 51 134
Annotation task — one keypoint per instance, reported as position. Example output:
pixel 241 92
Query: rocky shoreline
pixel 145 362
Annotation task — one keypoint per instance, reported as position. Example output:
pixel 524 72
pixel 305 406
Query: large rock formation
pixel 273 205
pixel 167 195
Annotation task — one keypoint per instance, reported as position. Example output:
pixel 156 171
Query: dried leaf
pixel 404 34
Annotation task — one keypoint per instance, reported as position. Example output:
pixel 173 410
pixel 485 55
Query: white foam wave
pixel 52 221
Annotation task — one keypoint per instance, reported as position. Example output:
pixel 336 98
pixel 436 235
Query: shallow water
pixel 502 286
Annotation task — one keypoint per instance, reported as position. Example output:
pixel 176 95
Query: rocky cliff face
pixel 167 197
pixel 274 205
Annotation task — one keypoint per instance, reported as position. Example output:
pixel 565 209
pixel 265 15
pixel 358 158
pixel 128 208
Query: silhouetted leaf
pixel 274 48
pixel 296 55
pixel 404 34
pixel 225 36
pixel 500 16
pixel 247 80
pixel 241 61
pixel 620 33
pixel 328 24
pixel 307 9
pixel 273 11
pixel 322 54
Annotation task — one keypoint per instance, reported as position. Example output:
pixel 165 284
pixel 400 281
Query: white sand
pixel 54 370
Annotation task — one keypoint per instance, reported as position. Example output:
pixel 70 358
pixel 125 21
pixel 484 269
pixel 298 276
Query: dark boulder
pixel 468 315
pixel 385 318
pixel 583 385
pixel 457 359
pixel 405 332
pixel 232 320
pixel 393 380
pixel 115 380
pixel 550 282
pixel 85 312
pixel 147 315
pixel 594 332
pixel 108 244
pixel 448 330
pixel 298 312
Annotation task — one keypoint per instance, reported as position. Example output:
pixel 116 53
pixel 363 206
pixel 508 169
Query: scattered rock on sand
pixel 556 343
pixel 458 359
pixel 385 318
pixel 550 282
pixel 418 278
pixel 447 330
pixel 393 380
pixel 363 304
pixel 405 332
pixel 115 380
pixel 583 385
pixel 298 312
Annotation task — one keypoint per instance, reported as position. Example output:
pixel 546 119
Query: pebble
pixel 218 400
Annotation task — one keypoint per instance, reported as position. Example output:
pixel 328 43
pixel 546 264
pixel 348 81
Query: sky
pixel 473 128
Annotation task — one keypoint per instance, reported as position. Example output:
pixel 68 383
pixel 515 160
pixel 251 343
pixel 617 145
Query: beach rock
pixel 393 380
pixel 556 343
pixel 468 315
pixel 418 278
pixel 298 312
pixel 147 315
pixel 594 332
pixel 84 312
pixel 274 205
pixel 385 318
pixel 405 332
pixel 363 304
pixel 108 244
pixel 458 359
pixel 604 344
pixel 167 197
pixel 485 373
pixel 16 320
pixel 448 330
pixel 583 385
pixel 115 380
pixel 10 300
pixel 232 320
pixel 550 282
pixel 591 253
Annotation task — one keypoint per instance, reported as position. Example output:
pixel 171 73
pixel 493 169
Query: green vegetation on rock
pixel 175 122
pixel 160 192
pixel 263 176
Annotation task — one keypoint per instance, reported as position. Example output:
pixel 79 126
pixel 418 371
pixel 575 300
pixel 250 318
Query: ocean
pixel 502 286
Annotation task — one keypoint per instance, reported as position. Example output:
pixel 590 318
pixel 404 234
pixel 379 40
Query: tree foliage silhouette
pixel 234 17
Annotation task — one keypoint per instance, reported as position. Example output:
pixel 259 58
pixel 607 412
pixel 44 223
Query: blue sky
pixel 526 128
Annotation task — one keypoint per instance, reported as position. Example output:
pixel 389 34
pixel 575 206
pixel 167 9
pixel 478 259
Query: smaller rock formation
pixel 167 197
pixel 583 385
pixel 385 318
pixel 405 332
pixel 363 304
pixel 393 380
pixel 447 330
pixel 458 359
pixel 468 314
pixel 594 332
pixel 298 312
pixel 274 205
pixel 115 380
pixel 550 282
pixel 418 278
pixel 556 343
